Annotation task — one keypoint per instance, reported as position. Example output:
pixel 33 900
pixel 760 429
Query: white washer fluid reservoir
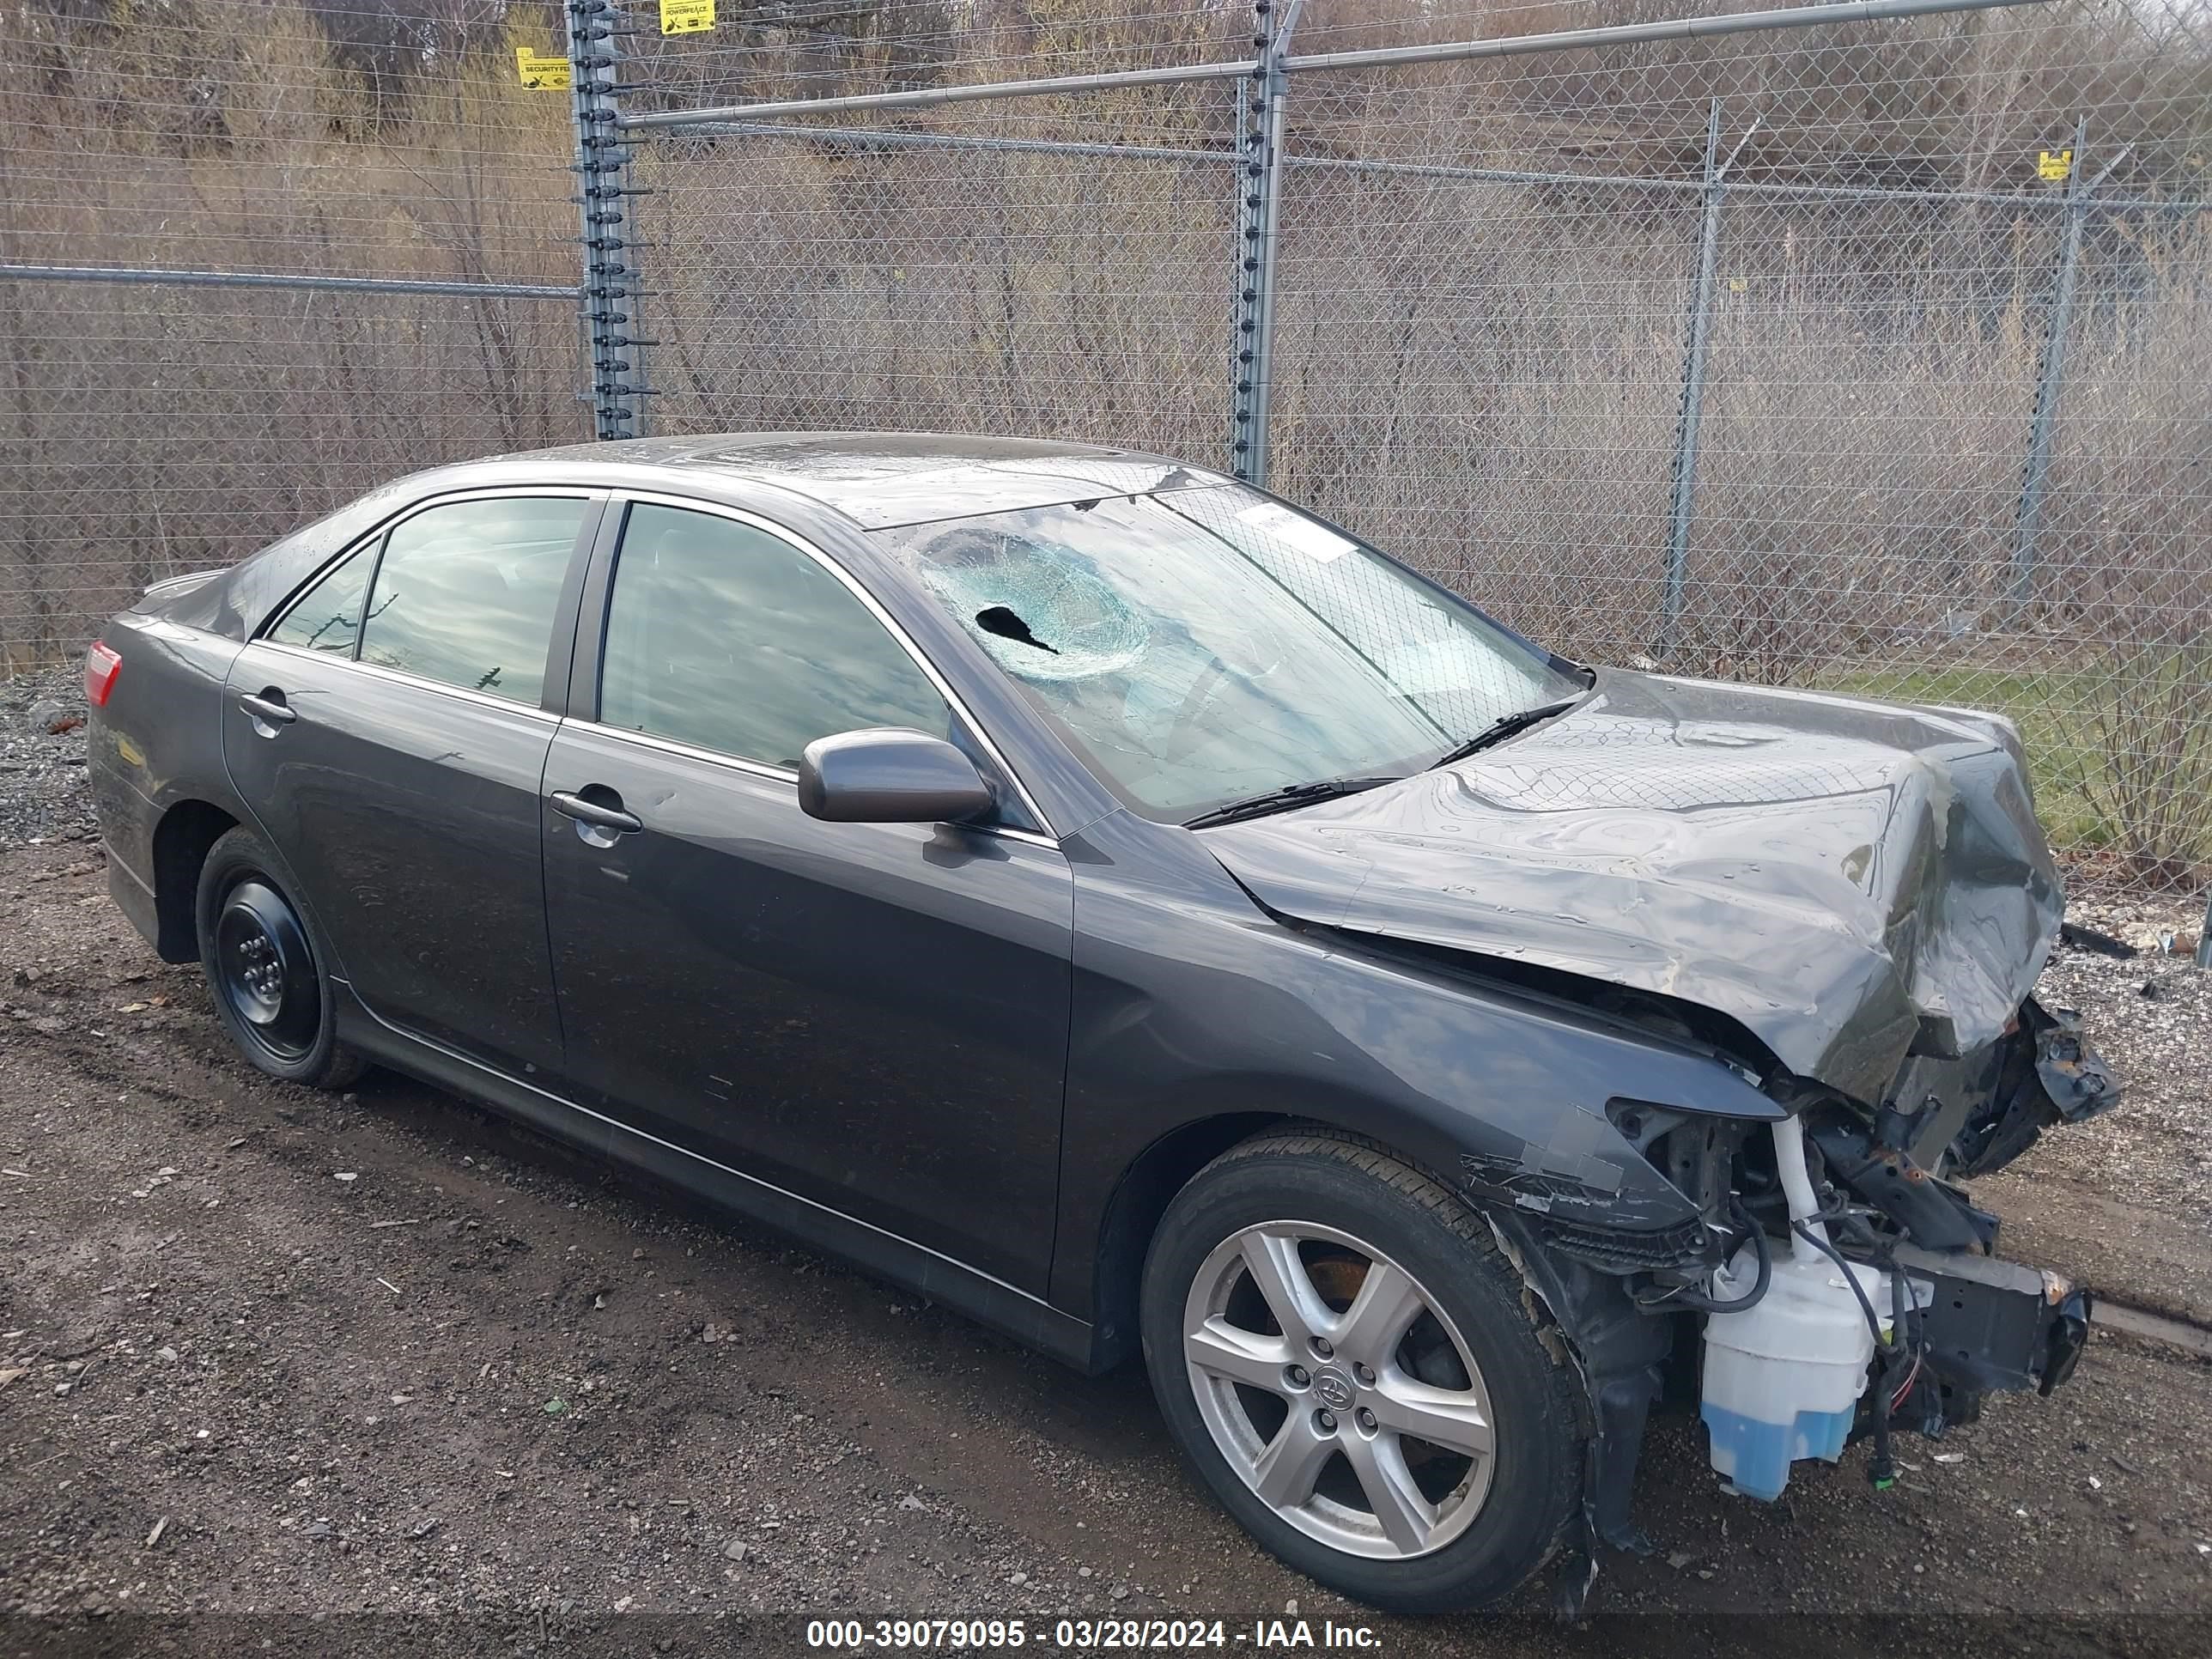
pixel 1782 1378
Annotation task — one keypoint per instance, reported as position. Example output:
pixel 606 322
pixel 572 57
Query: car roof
pixel 883 479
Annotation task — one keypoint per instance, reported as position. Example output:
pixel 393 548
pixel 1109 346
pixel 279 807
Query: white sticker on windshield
pixel 1315 541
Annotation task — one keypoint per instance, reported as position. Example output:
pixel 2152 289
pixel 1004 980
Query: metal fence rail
pixel 1867 346
pixel 254 258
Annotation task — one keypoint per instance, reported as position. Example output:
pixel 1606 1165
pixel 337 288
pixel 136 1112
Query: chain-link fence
pixel 1871 356
pixel 256 256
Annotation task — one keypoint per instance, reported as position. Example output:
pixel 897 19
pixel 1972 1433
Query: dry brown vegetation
pixel 1484 372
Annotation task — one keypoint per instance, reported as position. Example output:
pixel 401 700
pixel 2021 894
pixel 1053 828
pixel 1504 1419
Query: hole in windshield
pixel 999 620
pixel 1209 645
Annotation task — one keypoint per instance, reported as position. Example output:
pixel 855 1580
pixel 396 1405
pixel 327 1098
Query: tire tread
pixel 1560 1505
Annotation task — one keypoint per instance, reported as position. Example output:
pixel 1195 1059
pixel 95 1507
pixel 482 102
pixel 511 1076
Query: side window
pixel 465 593
pixel 327 617
pixel 730 639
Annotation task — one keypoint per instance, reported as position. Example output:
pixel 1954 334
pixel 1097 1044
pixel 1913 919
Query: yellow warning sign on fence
pixel 686 17
pixel 541 74
pixel 2054 165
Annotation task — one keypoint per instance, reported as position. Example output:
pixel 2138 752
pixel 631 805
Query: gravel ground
pixel 283 1369
pixel 43 796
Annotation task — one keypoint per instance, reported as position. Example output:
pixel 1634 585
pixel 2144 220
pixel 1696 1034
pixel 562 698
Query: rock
pixel 735 1549
pixel 910 1502
pixel 43 715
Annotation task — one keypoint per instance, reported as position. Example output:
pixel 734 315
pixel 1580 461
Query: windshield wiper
pixel 1502 728
pixel 1278 801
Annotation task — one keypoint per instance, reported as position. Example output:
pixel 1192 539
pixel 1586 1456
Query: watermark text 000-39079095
pixel 860 1635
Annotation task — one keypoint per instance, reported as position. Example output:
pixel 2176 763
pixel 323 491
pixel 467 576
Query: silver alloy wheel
pixel 1364 1453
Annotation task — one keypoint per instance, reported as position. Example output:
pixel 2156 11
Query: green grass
pixel 2052 708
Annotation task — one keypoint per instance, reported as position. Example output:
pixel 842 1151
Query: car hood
pixel 1843 878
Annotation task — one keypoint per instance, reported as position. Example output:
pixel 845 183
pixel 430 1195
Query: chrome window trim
pixel 400 676
pixel 768 774
pixel 369 538
pixel 690 751
pixel 623 497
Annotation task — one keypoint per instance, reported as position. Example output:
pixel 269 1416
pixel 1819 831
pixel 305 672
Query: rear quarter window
pixel 465 593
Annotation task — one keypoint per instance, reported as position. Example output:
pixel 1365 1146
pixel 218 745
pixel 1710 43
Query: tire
pixel 1458 1526
pixel 264 968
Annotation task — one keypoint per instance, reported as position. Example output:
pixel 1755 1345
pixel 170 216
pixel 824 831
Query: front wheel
pixel 261 962
pixel 1353 1369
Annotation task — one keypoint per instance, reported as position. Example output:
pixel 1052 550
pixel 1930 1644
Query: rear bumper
pixel 127 818
pixel 134 896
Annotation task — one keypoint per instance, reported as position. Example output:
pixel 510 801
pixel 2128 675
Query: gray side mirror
pixel 886 775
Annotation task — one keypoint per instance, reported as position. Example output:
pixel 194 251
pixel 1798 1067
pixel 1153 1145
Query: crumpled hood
pixel 1837 875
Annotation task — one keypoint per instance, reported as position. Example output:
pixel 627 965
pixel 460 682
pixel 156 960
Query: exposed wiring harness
pixel 1684 1299
pixel 1882 1469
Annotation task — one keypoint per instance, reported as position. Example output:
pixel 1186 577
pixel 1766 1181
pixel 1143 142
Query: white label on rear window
pixel 1315 541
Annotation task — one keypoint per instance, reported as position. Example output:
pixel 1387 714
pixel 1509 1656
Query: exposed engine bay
pixel 1836 1284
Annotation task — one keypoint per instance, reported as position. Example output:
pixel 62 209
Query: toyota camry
pixel 1134 912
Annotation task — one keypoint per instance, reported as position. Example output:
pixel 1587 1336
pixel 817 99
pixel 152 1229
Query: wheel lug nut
pixel 1298 1377
pixel 1325 1421
pixel 1323 1346
pixel 1366 1376
pixel 1366 1419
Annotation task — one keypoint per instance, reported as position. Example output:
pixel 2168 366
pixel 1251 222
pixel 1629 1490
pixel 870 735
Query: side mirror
pixel 886 775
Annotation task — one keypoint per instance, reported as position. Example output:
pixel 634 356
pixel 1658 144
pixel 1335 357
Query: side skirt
pixel 1006 1310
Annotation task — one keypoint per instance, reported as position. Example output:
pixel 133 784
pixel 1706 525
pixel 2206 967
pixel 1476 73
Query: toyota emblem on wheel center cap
pixel 1333 1388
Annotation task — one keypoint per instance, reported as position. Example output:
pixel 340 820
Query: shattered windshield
pixel 1203 646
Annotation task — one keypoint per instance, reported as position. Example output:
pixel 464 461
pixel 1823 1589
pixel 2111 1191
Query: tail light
pixel 102 666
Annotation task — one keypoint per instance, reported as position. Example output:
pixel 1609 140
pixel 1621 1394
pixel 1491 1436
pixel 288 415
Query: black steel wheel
pixel 263 966
pixel 264 972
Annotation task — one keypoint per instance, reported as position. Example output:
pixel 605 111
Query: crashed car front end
pixel 1742 1302
pixel 1847 905
pixel 1949 1321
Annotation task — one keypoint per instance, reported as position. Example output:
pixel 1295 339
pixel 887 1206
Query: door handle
pixel 269 709
pixel 600 817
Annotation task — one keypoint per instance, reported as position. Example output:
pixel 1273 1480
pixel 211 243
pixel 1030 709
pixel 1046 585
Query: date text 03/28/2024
pixel 855 1635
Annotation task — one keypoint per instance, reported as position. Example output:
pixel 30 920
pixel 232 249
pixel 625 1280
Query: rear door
pixel 872 1016
pixel 389 731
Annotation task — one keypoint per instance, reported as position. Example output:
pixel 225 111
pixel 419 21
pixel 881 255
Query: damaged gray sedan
pixel 1128 910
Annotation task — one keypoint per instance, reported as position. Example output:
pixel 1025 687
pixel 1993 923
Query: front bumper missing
pixel 2063 1081
pixel 1990 1325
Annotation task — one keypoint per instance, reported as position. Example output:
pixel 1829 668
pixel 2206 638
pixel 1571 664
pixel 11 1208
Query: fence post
pixel 2049 374
pixel 1259 211
pixel 1682 494
pixel 602 169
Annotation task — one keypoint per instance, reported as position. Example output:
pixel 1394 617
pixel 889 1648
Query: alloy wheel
pixel 1338 1389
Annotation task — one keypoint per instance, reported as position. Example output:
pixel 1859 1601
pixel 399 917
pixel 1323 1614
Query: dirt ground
pixel 290 1371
